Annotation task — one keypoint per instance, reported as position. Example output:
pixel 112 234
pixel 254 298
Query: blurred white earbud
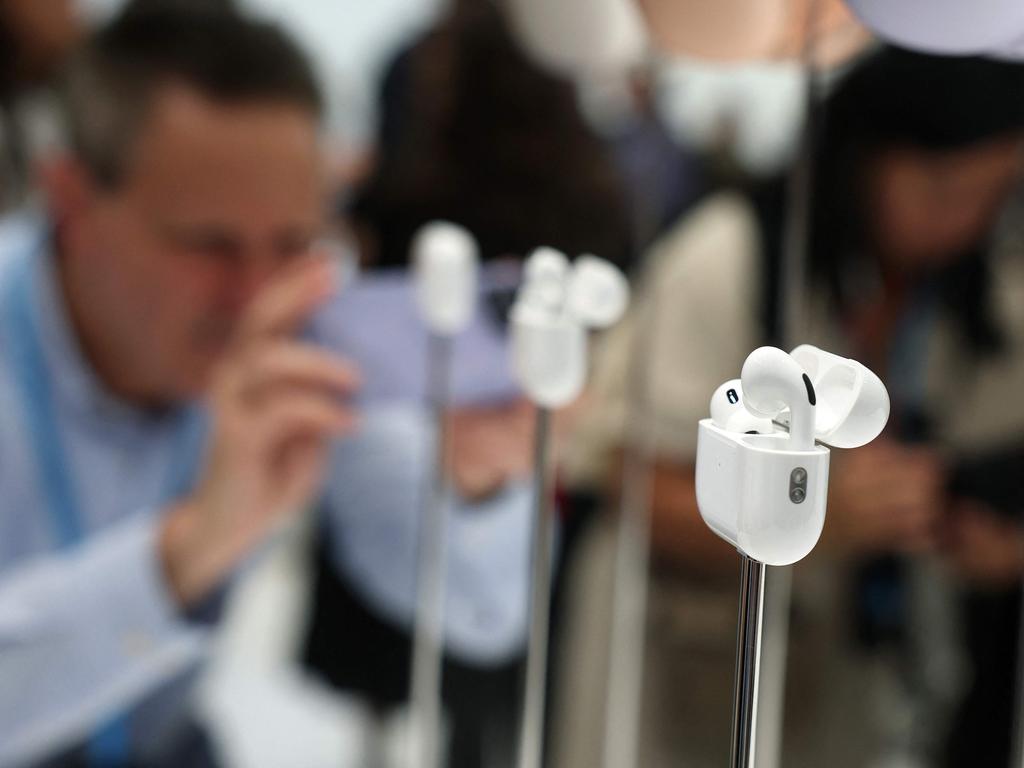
pixel 544 282
pixel 555 306
pixel 445 263
pixel 597 292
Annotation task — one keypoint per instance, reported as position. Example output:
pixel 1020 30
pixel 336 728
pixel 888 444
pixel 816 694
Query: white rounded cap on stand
pixel 445 257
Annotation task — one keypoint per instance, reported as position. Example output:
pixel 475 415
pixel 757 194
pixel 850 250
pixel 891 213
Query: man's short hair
pixel 211 48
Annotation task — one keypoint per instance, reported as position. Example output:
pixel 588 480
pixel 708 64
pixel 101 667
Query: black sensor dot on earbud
pixel 811 397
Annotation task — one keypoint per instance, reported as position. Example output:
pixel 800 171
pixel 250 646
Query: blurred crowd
pixel 215 440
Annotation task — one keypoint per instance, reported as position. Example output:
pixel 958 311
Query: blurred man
pixel 163 414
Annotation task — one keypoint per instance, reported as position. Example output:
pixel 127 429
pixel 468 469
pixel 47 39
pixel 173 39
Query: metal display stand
pixel 428 644
pixel 531 733
pixel 748 662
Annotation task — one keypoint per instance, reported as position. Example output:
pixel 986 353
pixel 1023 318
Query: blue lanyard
pixel 110 745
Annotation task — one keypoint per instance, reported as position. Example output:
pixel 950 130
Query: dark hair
pixel 896 99
pixel 9 55
pixel 472 130
pixel 206 46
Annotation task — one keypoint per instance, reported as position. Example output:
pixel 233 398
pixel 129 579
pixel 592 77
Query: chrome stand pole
pixel 427 708
pixel 531 726
pixel 748 659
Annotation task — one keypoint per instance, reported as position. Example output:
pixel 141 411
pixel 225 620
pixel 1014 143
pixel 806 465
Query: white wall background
pixel 350 41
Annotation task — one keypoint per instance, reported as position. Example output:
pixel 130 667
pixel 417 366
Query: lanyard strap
pixel 33 384
pixel 110 745
pixel 35 387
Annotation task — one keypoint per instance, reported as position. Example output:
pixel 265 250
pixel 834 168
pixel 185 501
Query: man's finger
pixel 307 416
pixel 289 299
pixel 294 363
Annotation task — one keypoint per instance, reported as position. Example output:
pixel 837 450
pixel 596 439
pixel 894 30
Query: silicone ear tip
pixel 725 400
pixel 598 292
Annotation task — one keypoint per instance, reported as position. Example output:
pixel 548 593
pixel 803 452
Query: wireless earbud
pixel 555 306
pixel 729 412
pixel 597 292
pixel 774 381
pixel 444 257
pixel 765 493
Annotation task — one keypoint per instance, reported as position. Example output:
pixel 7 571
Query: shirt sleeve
pixel 83 635
pixel 375 505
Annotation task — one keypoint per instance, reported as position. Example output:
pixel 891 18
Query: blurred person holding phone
pixel 167 409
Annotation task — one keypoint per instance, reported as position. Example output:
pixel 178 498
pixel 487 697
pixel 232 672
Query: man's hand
pixel 983 547
pixel 275 402
pixel 884 497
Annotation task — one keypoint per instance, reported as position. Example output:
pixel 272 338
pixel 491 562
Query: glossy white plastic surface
pixel 744 493
pixel 853 404
pixel 555 306
pixel 774 381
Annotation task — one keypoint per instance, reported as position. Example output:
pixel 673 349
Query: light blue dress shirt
pixel 91 631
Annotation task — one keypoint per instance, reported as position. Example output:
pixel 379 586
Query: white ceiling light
pixel 945 26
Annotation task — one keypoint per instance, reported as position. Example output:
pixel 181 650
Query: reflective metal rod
pixel 748 657
pixel 426 732
pixel 531 724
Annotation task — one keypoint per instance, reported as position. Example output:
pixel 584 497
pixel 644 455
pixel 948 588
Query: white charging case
pixel 768 500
